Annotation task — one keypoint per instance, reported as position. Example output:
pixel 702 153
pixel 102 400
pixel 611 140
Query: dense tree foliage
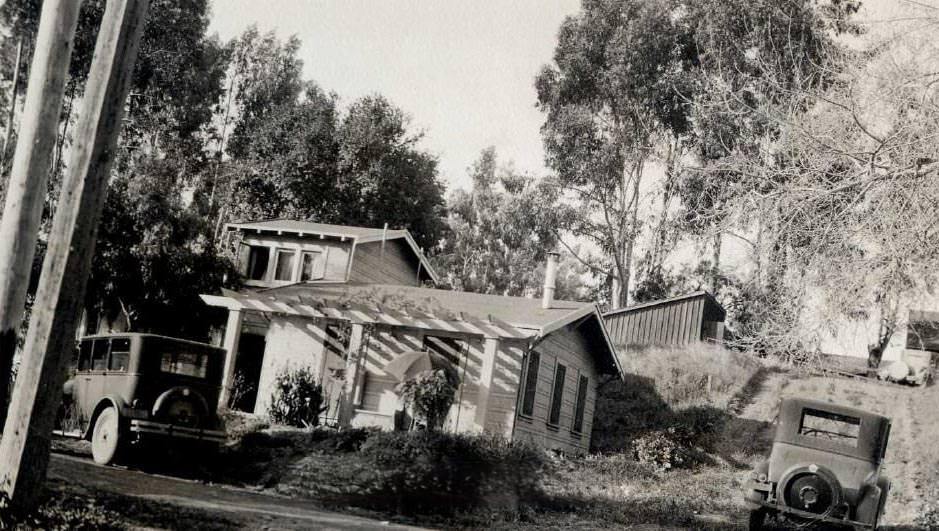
pixel 501 231
pixel 216 132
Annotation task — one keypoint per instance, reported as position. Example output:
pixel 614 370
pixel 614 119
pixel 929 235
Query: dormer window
pixel 258 258
pixel 285 265
pixel 313 266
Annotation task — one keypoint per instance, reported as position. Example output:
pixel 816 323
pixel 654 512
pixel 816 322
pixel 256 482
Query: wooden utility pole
pixel 27 186
pixel 24 449
pixel 12 110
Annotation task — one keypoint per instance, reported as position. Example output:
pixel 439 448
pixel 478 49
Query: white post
pixel 347 404
pixel 230 344
pixel 490 351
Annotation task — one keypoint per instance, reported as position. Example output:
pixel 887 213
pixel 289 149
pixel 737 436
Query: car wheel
pixel 757 519
pixel 106 436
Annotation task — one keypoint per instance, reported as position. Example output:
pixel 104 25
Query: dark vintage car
pixel 130 387
pixel 825 466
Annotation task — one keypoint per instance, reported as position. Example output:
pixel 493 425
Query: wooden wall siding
pixel 503 395
pixel 397 266
pixel 570 348
pixel 291 342
pixel 675 323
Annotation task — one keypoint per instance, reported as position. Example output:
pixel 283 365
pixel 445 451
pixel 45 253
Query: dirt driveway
pixel 239 507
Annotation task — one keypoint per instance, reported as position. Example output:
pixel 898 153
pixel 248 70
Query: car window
pixel 825 425
pixel 120 354
pixel 84 355
pixel 185 363
pixel 99 355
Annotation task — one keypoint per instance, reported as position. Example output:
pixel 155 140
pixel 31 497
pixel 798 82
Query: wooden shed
pixel 674 321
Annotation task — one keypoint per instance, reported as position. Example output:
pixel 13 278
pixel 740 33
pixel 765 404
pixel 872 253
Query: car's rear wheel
pixel 106 436
pixel 757 519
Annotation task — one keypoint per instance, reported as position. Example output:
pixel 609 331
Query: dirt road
pixel 238 507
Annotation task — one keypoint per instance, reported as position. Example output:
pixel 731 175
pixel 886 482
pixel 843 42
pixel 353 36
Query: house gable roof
pixel 356 234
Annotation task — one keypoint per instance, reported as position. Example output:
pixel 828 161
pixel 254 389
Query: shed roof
pixel 357 234
pixel 701 293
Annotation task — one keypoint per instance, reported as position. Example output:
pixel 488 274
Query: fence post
pixel 26 188
pixel 24 449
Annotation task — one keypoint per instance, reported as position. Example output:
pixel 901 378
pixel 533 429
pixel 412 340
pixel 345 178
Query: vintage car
pixel 126 388
pixel 825 466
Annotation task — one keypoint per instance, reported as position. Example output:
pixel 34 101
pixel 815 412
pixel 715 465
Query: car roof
pixel 152 336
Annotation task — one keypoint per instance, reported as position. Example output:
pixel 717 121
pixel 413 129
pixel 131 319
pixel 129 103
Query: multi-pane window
pixel 258 258
pixel 531 383
pixel 557 396
pixel 312 266
pixel 285 263
pixel 581 404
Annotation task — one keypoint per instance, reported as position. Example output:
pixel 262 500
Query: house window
pixel 531 383
pixel 312 266
pixel 578 426
pixel 120 355
pixel 257 262
pixel 448 347
pixel 557 397
pixel 285 261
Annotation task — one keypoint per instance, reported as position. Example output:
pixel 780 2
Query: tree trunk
pixel 716 263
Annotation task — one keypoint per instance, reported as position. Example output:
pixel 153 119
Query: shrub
pixel 429 396
pixel 297 399
pixel 434 472
pixel 664 449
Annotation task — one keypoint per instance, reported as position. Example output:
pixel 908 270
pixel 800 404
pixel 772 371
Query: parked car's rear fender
pixel 871 501
pixel 106 402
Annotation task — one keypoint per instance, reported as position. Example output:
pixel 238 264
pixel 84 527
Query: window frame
pixel 530 384
pixel 580 404
pixel 253 251
pixel 314 274
pixel 557 395
pixel 106 344
pixel 292 273
pixel 111 353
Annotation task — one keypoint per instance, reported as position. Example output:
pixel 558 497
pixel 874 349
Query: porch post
pixel 490 351
pixel 230 344
pixel 353 367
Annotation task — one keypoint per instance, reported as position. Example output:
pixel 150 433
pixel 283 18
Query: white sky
pixel 464 71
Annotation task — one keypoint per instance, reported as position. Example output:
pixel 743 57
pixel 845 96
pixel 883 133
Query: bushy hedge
pixel 297 399
pixel 433 472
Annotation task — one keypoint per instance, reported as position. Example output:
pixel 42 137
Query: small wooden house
pixel 674 321
pixel 528 368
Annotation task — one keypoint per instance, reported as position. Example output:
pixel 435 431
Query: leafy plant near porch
pixel 297 399
pixel 429 396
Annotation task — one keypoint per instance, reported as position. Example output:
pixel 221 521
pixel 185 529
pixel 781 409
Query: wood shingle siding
pixel 676 321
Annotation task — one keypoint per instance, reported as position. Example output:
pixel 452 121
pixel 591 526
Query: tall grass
pixel 667 387
pixel 699 374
